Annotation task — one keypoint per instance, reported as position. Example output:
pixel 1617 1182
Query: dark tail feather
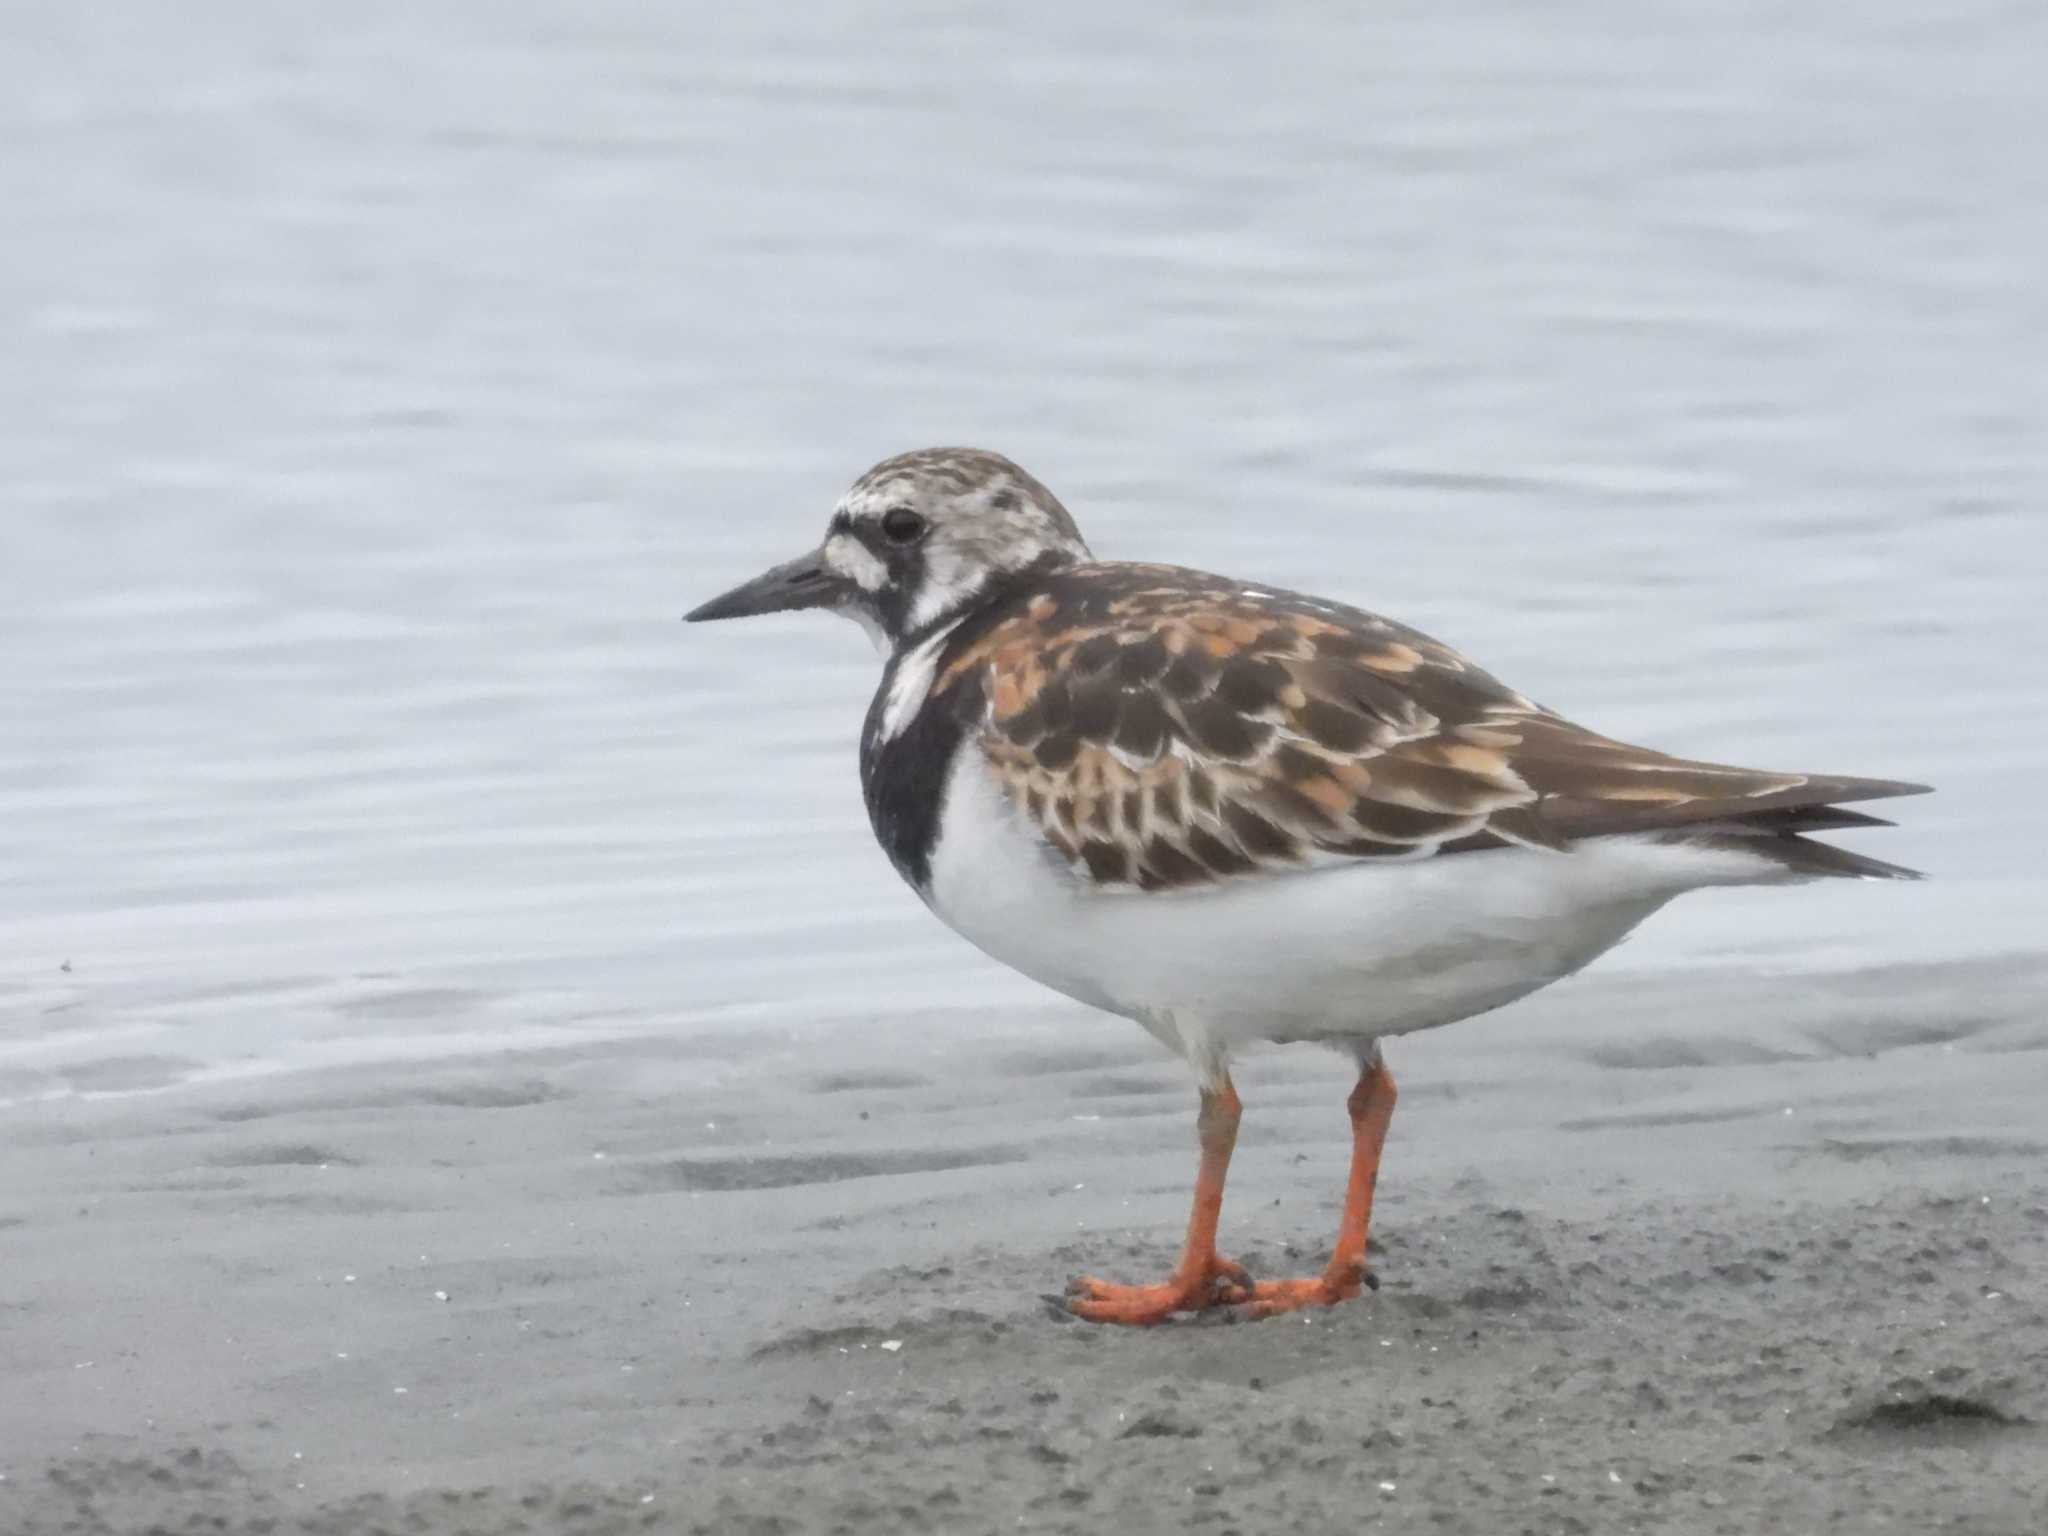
pixel 1802 856
pixel 1777 830
pixel 1813 818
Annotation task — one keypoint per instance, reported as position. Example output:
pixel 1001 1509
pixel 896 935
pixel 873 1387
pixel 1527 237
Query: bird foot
pixel 1269 1298
pixel 1221 1283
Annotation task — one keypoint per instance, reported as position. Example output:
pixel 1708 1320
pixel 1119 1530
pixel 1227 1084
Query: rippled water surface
pixel 380 384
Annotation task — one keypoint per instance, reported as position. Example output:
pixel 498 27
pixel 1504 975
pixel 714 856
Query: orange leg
pixel 1372 1107
pixel 1201 1279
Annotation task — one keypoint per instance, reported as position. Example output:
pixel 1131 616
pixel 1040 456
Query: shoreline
pixel 1655 1252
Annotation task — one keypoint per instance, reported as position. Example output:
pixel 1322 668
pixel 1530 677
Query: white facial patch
pixel 949 579
pixel 847 556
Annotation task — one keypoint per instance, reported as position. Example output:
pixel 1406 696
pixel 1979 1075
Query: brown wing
pixel 1163 728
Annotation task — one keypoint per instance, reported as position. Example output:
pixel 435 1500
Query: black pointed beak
pixel 804 582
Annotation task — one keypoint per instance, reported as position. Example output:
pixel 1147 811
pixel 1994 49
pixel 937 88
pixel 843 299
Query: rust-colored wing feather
pixel 1165 728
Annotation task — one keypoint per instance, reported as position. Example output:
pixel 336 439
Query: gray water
pixel 381 383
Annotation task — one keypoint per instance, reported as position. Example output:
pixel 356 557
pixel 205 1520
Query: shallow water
pixel 381 386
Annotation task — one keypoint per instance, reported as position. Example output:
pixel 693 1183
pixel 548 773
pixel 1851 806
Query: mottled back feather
pixel 1165 728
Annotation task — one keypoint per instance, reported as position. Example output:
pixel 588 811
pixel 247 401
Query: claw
pixel 1228 1293
pixel 1231 1270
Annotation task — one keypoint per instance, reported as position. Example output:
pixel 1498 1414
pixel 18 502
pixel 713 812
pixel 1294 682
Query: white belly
pixel 1339 953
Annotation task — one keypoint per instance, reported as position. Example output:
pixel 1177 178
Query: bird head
pixel 918 539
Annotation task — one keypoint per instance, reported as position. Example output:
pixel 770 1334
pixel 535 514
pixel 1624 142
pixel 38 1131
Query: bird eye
pixel 900 525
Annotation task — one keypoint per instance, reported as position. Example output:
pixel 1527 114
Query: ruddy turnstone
pixel 1235 813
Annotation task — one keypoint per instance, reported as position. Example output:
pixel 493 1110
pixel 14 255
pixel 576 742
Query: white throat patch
pixel 913 681
pixel 877 636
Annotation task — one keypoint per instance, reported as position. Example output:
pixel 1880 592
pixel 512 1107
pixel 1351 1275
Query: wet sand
pixel 1679 1253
